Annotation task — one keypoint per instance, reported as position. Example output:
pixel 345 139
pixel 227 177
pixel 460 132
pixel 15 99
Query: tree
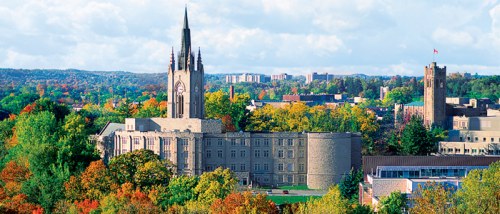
pixel 432 198
pixel 480 192
pixel 152 173
pixel 415 139
pixel 393 204
pixel 124 167
pixel 179 191
pixel 331 202
pixel 401 95
pixel 349 183
pixel 217 184
pixel 94 183
pixel 243 203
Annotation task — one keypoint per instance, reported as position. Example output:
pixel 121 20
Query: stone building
pixel 435 95
pixel 196 145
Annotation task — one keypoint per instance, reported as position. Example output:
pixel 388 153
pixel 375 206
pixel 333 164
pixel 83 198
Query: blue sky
pixel 295 36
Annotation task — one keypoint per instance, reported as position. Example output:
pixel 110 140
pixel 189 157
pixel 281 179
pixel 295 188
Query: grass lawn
pixel 298 187
pixel 279 199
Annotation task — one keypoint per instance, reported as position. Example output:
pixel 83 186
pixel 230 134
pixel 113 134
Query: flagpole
pixel 433 55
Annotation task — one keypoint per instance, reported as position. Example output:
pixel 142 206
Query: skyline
pixel 296 37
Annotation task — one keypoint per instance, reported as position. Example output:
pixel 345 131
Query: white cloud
pixel 374 37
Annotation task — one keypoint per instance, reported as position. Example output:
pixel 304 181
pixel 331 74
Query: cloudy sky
pixel 268 36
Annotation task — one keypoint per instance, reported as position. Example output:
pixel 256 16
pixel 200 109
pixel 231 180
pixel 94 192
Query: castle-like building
pixel 196 145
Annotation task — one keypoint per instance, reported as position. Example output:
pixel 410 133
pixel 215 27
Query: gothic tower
pixel 435 95
pixel 185 84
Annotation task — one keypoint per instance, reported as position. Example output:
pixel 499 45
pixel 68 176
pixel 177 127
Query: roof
pixel 370 163
pixel 110 128
pixel 416 103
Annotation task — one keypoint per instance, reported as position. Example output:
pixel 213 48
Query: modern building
pixel 196 145
pixel 283 76
pixel 320 77
pixel 386 174
pixel 255 78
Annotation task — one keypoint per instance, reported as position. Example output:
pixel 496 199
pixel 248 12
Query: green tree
pixel 216 184
pixel 401 95
pixel 415 139
pixel 349 183
pixel 393 204
pixel 124 167
pixel 152 173
pixel 480 192
pixel 179 191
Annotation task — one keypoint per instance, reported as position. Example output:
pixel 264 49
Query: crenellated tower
pixel 435 95
pixel 185 84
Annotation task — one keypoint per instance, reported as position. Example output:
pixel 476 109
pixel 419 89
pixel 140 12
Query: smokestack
pixel 231 92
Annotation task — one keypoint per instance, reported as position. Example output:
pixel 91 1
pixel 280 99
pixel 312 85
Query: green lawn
pixel 279 199
pixel 298 187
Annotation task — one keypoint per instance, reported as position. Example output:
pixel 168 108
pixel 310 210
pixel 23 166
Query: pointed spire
pixel 188 64
pixel 199 54
pixel 172 61
pixel 186 24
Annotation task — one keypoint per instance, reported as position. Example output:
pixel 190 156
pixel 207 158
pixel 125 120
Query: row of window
pixel 471 151
pixel 476 139
pixel 260 167
pixel 422 173
pixel 257 153
pixel 256 142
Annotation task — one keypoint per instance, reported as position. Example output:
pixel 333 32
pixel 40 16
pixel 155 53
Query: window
pixel 219 141
pixel 233 153
pixel 208 168
pixel 280 167
pixel 266 142
pixel 242 142
pixel 301 167
pixel 243 153
pixel 302 179
pixel 492 140
pixel 481 151
pixel 184 143
pixel 136 141
pixel 257 142
pixel 219 153
pixel 209 153
pixel 301 142
pixel 468 138
pixel 450 150
pixel 280 153
pixel 290 154
pixel 243 167
pixel 233 167
pixel 474 151
pixel 256 167
pixel 233 142
pixel 457 150
pixel 466 151
pixel 280 142
pixel 290 142
pixel 475 139
pixel 289 167
pixel 209 142
pixel 257 153
pixel 290 178
pixel 266 167
pixel 461 138
pixel 150 143
pixel 484 139
pixel 301 153
pixel 266 153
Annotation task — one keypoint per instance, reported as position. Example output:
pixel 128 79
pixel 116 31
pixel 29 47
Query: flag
pixel 435 51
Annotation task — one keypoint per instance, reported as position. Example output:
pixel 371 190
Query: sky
pixel 385 37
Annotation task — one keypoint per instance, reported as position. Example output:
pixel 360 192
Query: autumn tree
pixel 124 168
pixel 432 198
pixel 480 192
pixel 331 202
pixel 94 183
pixel 243 203
pixel 217 184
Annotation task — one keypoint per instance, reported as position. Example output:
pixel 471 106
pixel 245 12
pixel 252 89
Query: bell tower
pixel 185 84
pixel 435 95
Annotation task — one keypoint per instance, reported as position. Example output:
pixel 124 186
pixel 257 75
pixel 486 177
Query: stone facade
pixel 435 95
pixel 270 159
pixel 195 145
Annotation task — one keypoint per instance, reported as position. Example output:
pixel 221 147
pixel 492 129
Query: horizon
pixel 299 37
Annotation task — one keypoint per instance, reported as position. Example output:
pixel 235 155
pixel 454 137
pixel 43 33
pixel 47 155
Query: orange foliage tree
pixel 243 203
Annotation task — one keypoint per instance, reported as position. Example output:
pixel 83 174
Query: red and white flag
pixel 435 51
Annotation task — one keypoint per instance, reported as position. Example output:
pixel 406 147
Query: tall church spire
pixel 185 54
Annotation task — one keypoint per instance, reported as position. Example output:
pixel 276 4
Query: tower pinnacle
pixel 185 53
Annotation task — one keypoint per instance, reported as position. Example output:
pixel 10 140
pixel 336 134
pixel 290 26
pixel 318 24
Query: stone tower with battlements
pixel 435 95
pixel 185 84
